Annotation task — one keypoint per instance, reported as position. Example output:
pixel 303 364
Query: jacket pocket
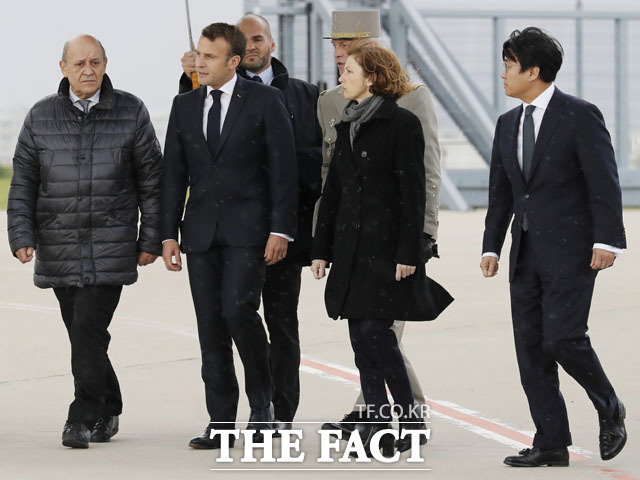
pixel 45 158
pixel 122 162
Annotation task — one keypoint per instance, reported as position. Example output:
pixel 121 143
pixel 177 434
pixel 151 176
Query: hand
pixel 429 248
pixel 25 254
pixel 318 268
pixel 276 249
pixel 145 258
pixel 188 62
pixel 489 266
pixel 601 259
pixel 403 271
pixel 171 250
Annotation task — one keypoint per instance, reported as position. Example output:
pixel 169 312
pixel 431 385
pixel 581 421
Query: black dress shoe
pixel 278 426
pixel 347 424
pixel 260 419
pixel 613 434
pixel 104 429
pixel 386 442
pixel 75 435
pixel 205 442
pixel 404 444
pixel 536 457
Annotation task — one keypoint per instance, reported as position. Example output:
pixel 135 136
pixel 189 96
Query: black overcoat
pixel 371 217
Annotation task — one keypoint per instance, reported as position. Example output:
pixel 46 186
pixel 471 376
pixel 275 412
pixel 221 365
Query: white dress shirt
pixel 541 102
pixel 266 76
pixel 225 100
pixel 92 101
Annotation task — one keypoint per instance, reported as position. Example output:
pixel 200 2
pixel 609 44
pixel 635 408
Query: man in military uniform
pixel 347 27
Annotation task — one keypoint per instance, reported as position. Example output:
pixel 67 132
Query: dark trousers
pixel 87 313
pixel 379 360
pixel 280 302
pixel 550 328
pixel 226 283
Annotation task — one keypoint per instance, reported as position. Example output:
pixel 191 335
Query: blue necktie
pixel 257 78
pixel 528 143
pixel 213 122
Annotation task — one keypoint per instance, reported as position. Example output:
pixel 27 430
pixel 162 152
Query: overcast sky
pixel 145 39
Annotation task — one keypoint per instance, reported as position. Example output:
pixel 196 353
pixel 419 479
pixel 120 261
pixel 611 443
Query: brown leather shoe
pixel 536 457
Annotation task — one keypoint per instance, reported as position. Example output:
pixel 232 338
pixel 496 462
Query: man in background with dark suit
pixel 553 169
pixel 282 282
pixel 231 142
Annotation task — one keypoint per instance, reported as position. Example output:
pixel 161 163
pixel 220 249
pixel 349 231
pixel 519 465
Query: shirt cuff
pixel 169 240
pixel 490 254
pixel 283 236
pixel 608 248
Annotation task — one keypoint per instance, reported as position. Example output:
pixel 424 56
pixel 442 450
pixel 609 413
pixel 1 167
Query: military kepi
pixel 355 24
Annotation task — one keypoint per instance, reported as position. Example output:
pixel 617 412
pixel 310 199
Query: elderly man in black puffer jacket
pixel 87 161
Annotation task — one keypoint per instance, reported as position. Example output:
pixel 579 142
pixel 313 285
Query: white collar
pixel 94 99
pixel 227 87
pixel 266 76
pixel 542 101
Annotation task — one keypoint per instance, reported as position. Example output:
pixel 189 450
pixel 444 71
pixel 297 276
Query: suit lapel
pixel 511 137
pixel 198 108
pixel 550 120
pixel 237 102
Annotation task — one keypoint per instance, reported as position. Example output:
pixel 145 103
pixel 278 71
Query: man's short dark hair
pixel 533 47
pixel 231 34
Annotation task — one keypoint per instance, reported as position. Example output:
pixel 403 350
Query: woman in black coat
pixel 370 224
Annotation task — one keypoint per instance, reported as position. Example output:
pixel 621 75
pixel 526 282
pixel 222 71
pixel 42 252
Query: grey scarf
pixel 359 113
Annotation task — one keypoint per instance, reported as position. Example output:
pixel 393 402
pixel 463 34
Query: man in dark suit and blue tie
pixel 231 143
pixel 553 170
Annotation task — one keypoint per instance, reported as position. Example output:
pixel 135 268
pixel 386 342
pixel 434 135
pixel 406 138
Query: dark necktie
pixel 213 122
pixel 85 105
pixel 257 79
pixel 528 143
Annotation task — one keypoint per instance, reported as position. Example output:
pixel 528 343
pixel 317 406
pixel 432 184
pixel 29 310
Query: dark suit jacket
pixel 572 198
pixel 300 99
pixel 247 188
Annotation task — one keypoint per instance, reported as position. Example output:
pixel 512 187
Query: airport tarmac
pixel 465 360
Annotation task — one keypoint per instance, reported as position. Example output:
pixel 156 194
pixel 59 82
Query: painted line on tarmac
pixel 470 420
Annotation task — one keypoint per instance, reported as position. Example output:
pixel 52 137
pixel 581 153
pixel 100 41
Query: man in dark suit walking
pixel 231 142
pixel 553 169
pixel 282 281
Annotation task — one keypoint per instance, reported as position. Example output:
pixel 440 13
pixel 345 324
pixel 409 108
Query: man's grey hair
pixel 65 48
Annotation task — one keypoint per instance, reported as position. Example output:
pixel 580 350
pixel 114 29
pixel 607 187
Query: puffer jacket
pixel 78 184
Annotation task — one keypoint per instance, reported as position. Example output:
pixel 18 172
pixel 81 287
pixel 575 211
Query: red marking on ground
pixel 470 419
